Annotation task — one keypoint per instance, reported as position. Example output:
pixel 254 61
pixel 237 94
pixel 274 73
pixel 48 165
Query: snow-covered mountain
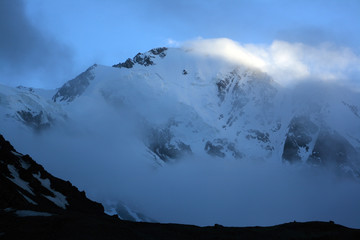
pixel 177 103
pixel 190 103
pixel 29 106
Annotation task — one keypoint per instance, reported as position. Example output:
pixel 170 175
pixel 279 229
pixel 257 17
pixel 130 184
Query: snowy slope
pixel 32 107
pixel 189 103
pixel 185 102
pixel 110 127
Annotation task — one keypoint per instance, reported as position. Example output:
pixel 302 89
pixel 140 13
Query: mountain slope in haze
pixel 35 204
pixel 191 103
pixel 117 129
pixel 30 106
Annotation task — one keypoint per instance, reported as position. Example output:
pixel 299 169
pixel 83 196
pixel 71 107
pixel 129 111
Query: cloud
pixel 27 55
pixel 99 151
pixel 109 166
pixel 310 35
pixel 172 43
pixel 286 62
pixel 226 49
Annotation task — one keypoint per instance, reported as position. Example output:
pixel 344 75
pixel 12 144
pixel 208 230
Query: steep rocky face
pixel 26 185
pixel 334 151
pixel 75 87
pixel 300 139
pixel 35 120
pixel 144 59
pixel 313 143
pixel 243 85
pixel 246 103
pixel 162 143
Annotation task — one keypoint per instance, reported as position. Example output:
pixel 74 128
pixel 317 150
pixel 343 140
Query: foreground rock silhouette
pixel 36 205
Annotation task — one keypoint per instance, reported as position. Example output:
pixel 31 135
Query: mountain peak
pixel 144 59
pixel 75 87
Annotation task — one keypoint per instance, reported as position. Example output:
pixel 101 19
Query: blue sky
pixel 67 36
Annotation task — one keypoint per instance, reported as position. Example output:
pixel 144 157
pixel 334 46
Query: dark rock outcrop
pixel 37 121
pixel 221 147
pixel 331 150
pixel 159 141
pixel 301 133
pixel 317 145
pixel 28 210
pixel 144 59
pixel 26 185
pixel 214 150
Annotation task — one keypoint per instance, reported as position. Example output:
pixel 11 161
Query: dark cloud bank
pixel 28 55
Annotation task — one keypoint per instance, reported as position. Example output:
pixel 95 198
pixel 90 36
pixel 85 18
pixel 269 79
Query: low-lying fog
pixel 100 153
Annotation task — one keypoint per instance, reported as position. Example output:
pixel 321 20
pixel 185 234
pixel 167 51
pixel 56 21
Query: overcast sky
pixel 45 43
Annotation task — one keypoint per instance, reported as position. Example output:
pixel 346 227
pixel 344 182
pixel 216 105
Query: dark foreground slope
pixel 84 226
pixel 36 205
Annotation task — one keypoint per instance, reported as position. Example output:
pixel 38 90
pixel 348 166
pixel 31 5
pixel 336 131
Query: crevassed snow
pixel 17 180
pixel 59 199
